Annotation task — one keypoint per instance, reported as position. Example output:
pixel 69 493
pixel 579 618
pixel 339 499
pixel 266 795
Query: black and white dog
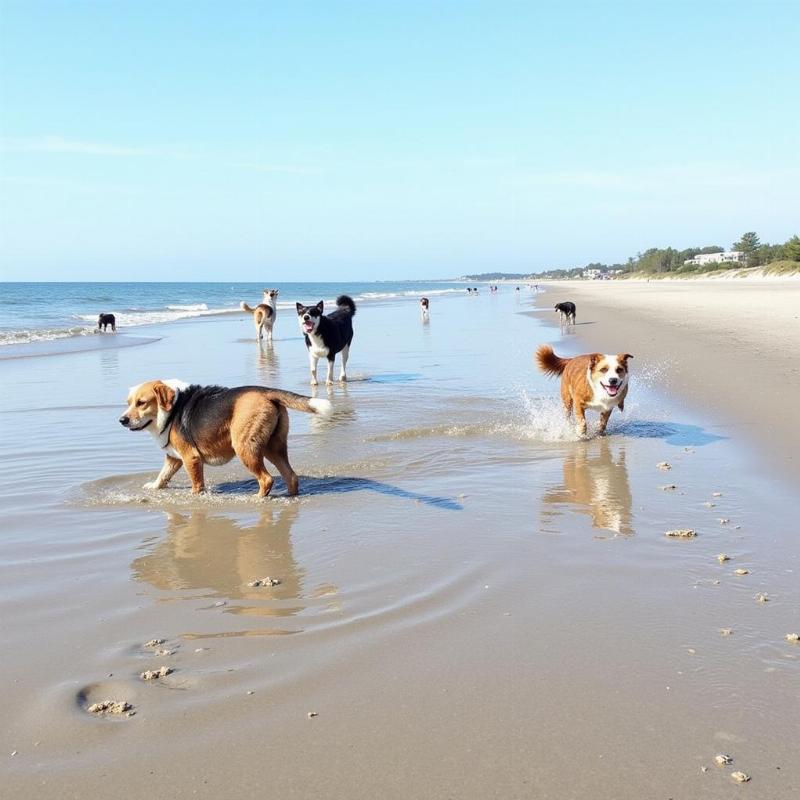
pixel 567 312
pixel 327 336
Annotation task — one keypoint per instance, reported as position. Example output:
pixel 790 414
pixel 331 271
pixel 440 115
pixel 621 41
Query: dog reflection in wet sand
pixel 596 482
pixel 213 554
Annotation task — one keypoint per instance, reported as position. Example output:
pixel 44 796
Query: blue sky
pixel 334 140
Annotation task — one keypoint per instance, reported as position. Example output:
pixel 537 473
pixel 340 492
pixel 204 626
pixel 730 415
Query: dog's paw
pixel 152 485
pixel 343 379
pixel 329 383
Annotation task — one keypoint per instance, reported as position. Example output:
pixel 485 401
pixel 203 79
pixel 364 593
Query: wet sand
pixel 729 346
pixel 471 602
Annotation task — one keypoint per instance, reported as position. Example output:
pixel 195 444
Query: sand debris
pixel 154 642
pixel 762 597
pixel 312 714
pixel 740 777
pixel 155 674
pixel 264 582
pixel 722 759
pixel 793 637
pixel 723 520
pixel 741 571
pixel 164 653
pixel 668 487
pixel 110 707
pixel 723 557
pixel 709 504
pixel 664 465
pixel 726 631
pixel 716 494
pixel 681 533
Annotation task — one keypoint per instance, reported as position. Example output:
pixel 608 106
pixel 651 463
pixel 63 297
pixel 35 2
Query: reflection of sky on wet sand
pixel 595 483
pixel 217 556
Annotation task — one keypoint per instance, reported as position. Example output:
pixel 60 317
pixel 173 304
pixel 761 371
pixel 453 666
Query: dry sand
pixel 472 603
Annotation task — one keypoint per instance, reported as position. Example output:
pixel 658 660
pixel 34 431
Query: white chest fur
pixel 317 346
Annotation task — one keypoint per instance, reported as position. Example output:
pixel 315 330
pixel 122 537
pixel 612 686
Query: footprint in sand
pixel 106 699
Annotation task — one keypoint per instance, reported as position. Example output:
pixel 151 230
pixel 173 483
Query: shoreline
pixel 725 347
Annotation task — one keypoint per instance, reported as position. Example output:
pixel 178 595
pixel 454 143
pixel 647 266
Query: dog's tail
pixel 299 402
pixel 549 362
pixel 346 303
pixel 246 308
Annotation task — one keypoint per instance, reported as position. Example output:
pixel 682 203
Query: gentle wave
pixel 172 314
pixel 190 307
pixel 135 317
pixel 41 335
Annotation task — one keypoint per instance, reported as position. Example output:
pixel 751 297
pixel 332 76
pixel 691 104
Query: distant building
pixel 734 256
pixel 593 274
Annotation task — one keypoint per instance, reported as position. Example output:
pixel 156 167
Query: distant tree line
pixel 662 260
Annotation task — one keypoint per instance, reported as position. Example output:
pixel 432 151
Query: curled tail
pixel 346 303
pixel 549 362
pixel 299 402
pixel 246 307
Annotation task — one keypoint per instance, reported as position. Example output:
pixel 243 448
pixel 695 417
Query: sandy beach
pixel 470 601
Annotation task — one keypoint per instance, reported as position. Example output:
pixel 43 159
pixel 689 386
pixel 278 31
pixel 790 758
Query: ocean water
pixel 42 312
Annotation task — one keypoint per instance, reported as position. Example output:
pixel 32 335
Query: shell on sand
pixel 741 571
pixel 264 582
pixel 722 759
pixel 740 777
pixel 722 557
pixel 725 631
pixel 793 637
pixel 681 533
pixel 110 707
pixel 665 465
pixel 154 674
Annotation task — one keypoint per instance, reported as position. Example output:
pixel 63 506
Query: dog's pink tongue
pixel 612 390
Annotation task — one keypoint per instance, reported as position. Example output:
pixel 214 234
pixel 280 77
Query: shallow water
pixel 462 580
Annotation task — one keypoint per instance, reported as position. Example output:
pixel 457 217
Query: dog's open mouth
pixel 141 427
pixel 612 389
pixel 308 326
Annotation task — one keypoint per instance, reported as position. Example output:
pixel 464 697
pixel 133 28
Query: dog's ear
pixel 320 306
pixel 300 308
pixel 165 395
pixel 593 359
pixel 623 357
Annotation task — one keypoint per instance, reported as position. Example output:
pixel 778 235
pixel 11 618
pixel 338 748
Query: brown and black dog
pixel 592 381
pixel 196 425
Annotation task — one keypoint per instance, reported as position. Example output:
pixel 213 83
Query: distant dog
pixel 567 311
pixel 424 304
pixel 197 425
pixel 327 336
pixel 264 313
pixel 104 320
pixel 594 381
